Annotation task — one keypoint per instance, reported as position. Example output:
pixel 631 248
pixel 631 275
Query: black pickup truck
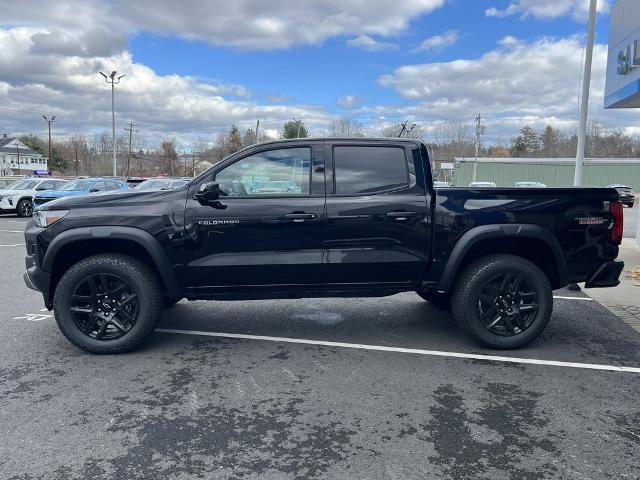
pixel 320 218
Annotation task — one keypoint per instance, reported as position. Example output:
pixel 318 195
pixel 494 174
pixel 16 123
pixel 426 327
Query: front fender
pixel 137 235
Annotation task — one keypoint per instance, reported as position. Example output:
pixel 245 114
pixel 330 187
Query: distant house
pixel 18 159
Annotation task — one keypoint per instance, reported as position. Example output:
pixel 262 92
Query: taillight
pixel 618 222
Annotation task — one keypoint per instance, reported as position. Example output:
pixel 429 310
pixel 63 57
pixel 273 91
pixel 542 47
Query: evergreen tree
pixel 233 141
pixel 294 129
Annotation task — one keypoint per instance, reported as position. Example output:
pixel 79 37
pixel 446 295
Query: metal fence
pixel 553 172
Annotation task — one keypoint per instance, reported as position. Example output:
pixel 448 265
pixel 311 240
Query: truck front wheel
pixel 504 301
pixel 108 303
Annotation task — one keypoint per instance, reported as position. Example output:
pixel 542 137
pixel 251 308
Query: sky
pixel 194 67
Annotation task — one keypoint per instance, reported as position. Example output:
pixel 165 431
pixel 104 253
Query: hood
pixel 59 193
pixel 11 193
pixel 82 200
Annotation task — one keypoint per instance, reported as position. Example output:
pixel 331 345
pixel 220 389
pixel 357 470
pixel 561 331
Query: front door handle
pixel 401 215
pixel 300 216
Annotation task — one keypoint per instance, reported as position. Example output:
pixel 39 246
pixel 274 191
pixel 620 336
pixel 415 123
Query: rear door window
pixel 367 170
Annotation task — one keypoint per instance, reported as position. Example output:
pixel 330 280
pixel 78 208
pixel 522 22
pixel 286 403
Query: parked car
pixel 529 185
pixel 18 197
pixel 6 181
pixel 627 195
pixel 368 223
pixel 83 186
pixel 437 184
pixel 161 184
pixel 482 185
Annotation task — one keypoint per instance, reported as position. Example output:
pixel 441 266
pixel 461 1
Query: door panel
pixel 258 234
pixel 377 238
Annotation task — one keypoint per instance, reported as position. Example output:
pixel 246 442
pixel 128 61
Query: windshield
pixel 79 185
pixel 24 185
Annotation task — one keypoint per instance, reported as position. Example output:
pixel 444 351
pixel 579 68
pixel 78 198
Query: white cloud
pixel 365 42
pixel 51 52
pixel 547 9
pixel 348 102
pixel 438 42
pixel 245 24
pixel 518 83
pixel 33 82
pixel 508 41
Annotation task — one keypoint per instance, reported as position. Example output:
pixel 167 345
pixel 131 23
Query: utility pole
pixel 404 127
pixel 113 81
pixel 257 127
pixel 299 125
pixel 480 130
pixel 130 130
pixel 49 122
pixel 584 105
pixel 193 163
pixel 75 144
pixel 18 153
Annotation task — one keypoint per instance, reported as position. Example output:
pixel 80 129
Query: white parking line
pixel 13 245
pixel 588 299
pixel 12 231
pixel 416 351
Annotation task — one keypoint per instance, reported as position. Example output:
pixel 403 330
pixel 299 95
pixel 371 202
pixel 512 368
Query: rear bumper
pixel 607 275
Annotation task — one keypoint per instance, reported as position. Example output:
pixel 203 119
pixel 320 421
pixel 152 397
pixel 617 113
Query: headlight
pixel 45 218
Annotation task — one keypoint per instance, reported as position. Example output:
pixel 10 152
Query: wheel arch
pixel 75 244
pixel 533 242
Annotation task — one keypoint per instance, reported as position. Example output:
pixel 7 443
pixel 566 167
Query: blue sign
pixel 42 172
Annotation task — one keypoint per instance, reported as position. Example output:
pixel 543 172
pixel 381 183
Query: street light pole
pixel 49 122
pixel 113 81
pixel 584 105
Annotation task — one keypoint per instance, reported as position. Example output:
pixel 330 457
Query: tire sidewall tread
pixel 140 277
pixel 472 278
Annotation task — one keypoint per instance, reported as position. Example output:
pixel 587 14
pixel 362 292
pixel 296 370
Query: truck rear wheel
pixel 437 299
pixel 504 301
pixel 108 303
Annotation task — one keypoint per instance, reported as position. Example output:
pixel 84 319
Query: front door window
pixel 282 172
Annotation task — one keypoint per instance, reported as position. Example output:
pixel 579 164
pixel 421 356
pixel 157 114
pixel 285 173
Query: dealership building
pixel 623 66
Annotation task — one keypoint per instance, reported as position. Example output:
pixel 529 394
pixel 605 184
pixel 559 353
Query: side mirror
pixel 208 192
pixel 40 188
pixel 93 190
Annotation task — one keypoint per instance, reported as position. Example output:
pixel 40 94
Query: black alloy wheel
pixel 503 301
pixel 104 306
pixel 108 303
pixel 24 208
pixel 508 304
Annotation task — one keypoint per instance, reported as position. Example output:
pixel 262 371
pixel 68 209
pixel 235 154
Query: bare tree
pixel 346 127
pixel 169 155
pixel 412 130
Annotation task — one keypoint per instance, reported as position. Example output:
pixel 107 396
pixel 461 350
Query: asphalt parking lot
pixel 331 388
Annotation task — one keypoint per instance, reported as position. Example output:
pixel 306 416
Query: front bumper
pixel 35 277
pixel 5 206
pixel 607 275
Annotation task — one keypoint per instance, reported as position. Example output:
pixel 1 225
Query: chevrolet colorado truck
pixel 320 218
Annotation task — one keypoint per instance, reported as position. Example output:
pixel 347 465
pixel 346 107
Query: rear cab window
pixel 370 169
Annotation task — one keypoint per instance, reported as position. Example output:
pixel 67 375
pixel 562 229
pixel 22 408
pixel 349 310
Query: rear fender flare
pixel 515 231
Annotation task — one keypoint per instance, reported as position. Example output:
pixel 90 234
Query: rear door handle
pixel 300 216
pixel 401 215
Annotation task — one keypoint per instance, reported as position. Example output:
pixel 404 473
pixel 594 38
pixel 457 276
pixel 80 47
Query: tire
pixel 437 299
pixel 24 208
pixel 497 317
pixel 79 303
pixel 630 204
